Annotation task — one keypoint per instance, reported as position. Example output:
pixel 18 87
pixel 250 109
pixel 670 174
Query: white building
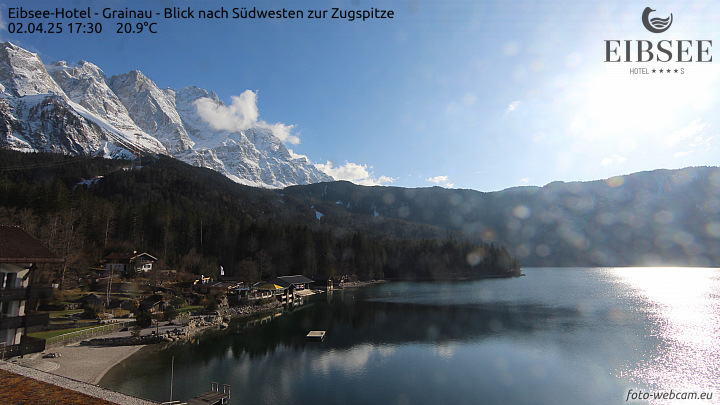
pixel 129 262
pixel 19 255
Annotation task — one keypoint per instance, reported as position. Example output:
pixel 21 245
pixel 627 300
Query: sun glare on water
pixel 684 306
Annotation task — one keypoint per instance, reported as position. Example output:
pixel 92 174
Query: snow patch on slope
pixel 75 109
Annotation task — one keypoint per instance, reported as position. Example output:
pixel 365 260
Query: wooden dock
pixel 212 397
pixel 316 335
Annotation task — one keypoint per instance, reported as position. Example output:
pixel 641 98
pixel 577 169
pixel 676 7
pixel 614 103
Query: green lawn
pixel 52 333
pixel 60 314
pixel 190 309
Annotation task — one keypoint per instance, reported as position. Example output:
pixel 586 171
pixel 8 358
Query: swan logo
pixel 656 25
pixel 664 50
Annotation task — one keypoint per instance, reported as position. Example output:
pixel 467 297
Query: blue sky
pixel 467 94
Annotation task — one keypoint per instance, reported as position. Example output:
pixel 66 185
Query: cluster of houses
pixel 19 293
pixel 284 289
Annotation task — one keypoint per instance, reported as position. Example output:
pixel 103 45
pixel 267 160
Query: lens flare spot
pixel 474 258
pixel 664 217
pixel 616 181
pixel 713 229
pixel 683 238
pixel 522 212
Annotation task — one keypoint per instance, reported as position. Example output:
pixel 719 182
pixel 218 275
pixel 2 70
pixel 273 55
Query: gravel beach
pixel 80 367
pixel 74 385
pixel 83 363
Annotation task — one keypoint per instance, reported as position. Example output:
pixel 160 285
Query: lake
pixel 556 336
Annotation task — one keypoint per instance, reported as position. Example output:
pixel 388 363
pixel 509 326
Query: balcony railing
pixel 19 294
pixel 14 322
pixel 29 345
pixel 13 294
pixel 11 322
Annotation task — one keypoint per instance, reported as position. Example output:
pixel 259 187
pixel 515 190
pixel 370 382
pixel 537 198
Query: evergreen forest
pixel 195 220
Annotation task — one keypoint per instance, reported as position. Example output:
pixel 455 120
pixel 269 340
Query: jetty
pixel 316 335
pixel 212 397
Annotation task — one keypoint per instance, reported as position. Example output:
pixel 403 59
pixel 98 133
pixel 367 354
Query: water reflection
pixel 556 336
pixel 684 305
pixel 352 321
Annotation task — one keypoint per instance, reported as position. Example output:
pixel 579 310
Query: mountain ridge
pixel 76 109
pixel 655 218
pixel 659 217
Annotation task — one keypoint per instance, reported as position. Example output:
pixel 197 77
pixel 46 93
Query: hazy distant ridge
pixel 668 217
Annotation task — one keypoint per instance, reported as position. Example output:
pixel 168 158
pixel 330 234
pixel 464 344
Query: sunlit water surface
pixel 556 336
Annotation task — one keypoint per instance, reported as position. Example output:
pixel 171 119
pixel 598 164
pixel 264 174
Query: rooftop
pixel 22 390
pixel 128 256
pixel 296 279
pixel 16 246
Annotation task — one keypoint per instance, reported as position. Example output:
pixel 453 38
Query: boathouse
pixel 297 282
pixel 267 290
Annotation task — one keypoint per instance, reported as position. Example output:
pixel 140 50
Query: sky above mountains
pixel 467 94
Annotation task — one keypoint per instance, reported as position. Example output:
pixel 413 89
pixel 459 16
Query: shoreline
pixel 451 279
pixel 132 351
pixel 90 363
pixel 87 364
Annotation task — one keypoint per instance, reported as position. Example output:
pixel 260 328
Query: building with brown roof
pixel 20 254
pixel 129 262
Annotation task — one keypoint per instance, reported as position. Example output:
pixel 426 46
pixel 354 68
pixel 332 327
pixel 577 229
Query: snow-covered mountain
pixel 75 109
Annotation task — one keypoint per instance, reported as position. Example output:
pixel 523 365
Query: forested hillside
pixel 662 217
pixel 195 220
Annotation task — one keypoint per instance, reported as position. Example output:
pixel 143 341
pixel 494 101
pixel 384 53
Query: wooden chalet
pixel 129 262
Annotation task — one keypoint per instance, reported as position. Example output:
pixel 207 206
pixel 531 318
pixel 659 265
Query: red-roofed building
pixel 19 255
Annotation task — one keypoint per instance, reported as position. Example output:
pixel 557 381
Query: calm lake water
pixel 556 336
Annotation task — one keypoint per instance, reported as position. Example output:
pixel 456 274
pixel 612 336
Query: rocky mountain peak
pixel 76 109
pixel 22 73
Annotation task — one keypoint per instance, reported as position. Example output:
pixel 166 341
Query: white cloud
pixel 282 131
pixel 444 180
pixel 438 179
pixel 691 138
pixel 687 132
pixel 355 173
pixel 294 155
pixel 513 106
pixel 614 159
pixel 699 144
pixel 242 114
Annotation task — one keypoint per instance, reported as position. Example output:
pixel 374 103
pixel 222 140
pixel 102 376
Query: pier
pixel 316 335
pixel 212 397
